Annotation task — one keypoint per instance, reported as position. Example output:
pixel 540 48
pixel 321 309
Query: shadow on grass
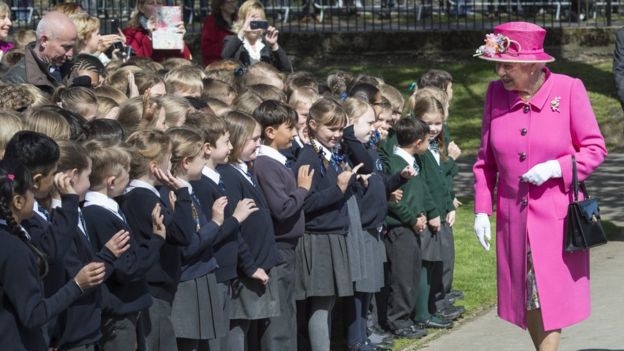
pixel 614 233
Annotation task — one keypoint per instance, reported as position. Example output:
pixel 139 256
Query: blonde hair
pixel 75 99
pixel 245 9
pixel 223 71
pixel 247 102
pixel 11 124
pixel 393 95
pixel 111 93
pixel 119 78
pixel 147 146
pixel 260 73
pixel 69 8
pixel 4 9
pixel 104 106
pixel 355 108
pixel 130 113
pixel 23 37
pixel 425 103
pixel 135 20
pixel 185 80
pixel 326 112
pixel 216 89
pixel 176 109
pixel 217 106
pixel 175 62
pixel 21 96
pixel 106 161
pixel 435 93
pixel 48 121
pixel 303 95
pixel 268 92
pixel 185 143
pixel 211 127
pixel 241 126
pixel 85 26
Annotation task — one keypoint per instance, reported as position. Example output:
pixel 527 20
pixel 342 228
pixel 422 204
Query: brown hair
pixel 393 95
pixel 23 37
pixel 130 113
pixel 223 70
pixel 104 106
pixel 424 104
pixel 106 161
pixel 210 127
pixel 11 124
pixel 217 106
pixel 112 93
pixel 147 146
pixel 435 93
pixel 241 127
pixel 75 99
pixel 185 143
pixel 20 97
pixel 355 108
pixel 260 73
pixel 268 92
pixel 69 8
pixel 327 112
pixel 174 62
pixel 302 95
pixel 216 89
pixel 247 102
pixel 73 156
pixel 185 81
pixel 176 109
pixel 299 80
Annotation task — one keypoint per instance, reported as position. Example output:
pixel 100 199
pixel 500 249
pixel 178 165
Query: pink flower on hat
pixel 494 44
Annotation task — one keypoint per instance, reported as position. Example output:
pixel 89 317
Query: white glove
pixel 482 229
pixel 541 172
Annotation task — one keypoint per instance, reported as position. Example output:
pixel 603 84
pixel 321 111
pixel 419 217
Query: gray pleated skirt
pixel 198 309
pixel 374 256
pixel 251 300
pixel 431 243
pixel 322 264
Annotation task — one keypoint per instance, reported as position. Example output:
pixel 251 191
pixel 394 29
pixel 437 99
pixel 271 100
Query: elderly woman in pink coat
pixel 534 122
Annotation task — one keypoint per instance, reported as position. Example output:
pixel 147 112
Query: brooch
pixel 554 104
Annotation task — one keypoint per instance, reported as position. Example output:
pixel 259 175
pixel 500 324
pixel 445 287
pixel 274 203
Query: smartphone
pixel 258 25
pixel 114 25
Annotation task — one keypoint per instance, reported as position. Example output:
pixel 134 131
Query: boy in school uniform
pixel 405 220
pixel 230 255
pixel 285 196
pixel 124 294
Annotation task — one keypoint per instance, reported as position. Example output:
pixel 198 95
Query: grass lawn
pixel 475 269
pixel 470 83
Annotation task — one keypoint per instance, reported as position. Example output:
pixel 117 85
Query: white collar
pixel 36 210
pixel 211 174
pixel 404 155
pixel 253 50
pixel 298 141
pixel 137 183
pixel 243 169
pixel 187 184
pixel 272 153
pixel 326 151
pixel 93 198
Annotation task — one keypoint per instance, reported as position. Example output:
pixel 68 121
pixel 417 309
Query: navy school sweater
pixel 25 311
pixel 126 290
pixel 230 250
pixel 257 230
pixel 137 205
pixel 284 198
pixel 325 207
pixel 197 257
pixel 80 323
pixel 292 153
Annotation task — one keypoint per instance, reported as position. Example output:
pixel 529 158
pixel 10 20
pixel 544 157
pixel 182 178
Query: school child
pixel 284 195
pixel 80 100
pixel 252 301
pixel 396 100
pixel 323 271
pixel 79 326
pixel 216 89
pixel 176 109
pixel 195 314
pixel 185 81
pixel 124 294
pixel 11 124
pixel 25 311
pixel 229 251
pixel 301 99
pixel 406 220
pixel 49 121
pixel 150 167
pixel 431 111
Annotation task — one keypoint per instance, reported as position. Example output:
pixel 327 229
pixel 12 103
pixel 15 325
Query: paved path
pixel 604 330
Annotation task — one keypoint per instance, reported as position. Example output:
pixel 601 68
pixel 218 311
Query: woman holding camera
pixel 248 46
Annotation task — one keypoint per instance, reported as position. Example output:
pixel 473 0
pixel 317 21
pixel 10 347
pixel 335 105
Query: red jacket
pixel 214 31
pixel 141 43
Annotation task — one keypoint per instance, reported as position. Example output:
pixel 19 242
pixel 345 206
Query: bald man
pixel 46 60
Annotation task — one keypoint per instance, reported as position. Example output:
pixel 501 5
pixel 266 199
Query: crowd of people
pixel 149 203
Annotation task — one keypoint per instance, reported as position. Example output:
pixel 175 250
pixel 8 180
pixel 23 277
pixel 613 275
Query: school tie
pixel 289 163
pixel 84 226
pixel 44 211
pixel 251 177
pixel 221 185
pixel 434 146
pixel 336 161
pixel 194 210
pixel 121 214
pixel 416 167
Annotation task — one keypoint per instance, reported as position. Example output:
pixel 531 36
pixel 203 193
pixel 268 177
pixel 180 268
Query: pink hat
pixel 515 42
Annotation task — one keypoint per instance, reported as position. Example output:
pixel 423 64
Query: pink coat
pixel 514 139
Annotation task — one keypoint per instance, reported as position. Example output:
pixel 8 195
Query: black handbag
pixel 582 224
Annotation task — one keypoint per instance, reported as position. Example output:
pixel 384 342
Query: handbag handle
pixel 575 182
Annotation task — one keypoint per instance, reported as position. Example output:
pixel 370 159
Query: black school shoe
pixel 380 338
pixel 410 333
pixel 451 312
pixel 436 323
pixel 455 295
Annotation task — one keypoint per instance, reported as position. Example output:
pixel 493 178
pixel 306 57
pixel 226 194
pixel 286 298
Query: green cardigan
pixel 416 197
pixel 437 182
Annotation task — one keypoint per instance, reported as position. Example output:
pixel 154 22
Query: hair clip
pixel 412 87
pixel 343 96
pixel 11 177
pixel 239 71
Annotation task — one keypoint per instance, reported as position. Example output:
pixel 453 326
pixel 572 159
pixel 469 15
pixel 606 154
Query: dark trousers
pixel 448 258
pixel 81 348
pixel 355 312
pixel 404 267
pixel 280 333
pixel 119 333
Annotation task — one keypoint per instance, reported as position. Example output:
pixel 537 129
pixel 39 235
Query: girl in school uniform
pixel 150 167
pixel 323 271
pixel 254 295
pixel 25 311
pixel 431 111
pixel 195 315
